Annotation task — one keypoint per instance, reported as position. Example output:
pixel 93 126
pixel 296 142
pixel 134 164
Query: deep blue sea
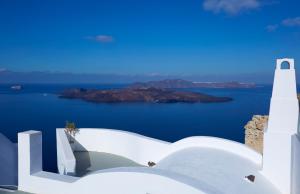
pixel 37 107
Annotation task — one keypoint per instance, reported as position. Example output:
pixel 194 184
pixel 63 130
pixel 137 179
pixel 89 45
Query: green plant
pixel 71 129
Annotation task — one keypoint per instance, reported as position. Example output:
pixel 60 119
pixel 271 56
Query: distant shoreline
pixel 180 83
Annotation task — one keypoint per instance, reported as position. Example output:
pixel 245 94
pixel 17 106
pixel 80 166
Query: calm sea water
pixel 37 107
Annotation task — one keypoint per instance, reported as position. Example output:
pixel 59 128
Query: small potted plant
pixel 71 130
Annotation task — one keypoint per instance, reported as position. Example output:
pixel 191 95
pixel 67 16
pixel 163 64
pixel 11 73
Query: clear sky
pixel 178 37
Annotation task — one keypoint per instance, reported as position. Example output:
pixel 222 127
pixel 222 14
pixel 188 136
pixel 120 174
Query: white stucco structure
pixel 139 148
pixel 193 165
pixel 281 141
pixel 66 162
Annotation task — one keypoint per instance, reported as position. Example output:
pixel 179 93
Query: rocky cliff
pixel 154 95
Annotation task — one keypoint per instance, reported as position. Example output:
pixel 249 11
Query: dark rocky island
pixel 152 95
pixel 179 83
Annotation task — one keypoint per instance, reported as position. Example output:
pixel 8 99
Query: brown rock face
pixel 254 133
pixel 150 95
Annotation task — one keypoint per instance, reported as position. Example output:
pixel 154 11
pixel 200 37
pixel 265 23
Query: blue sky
pixel 168 37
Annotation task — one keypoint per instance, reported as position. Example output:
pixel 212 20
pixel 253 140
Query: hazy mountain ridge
pixel 179 83
pixel 7 76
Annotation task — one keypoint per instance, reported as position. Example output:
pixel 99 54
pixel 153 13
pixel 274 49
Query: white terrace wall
pixel 30 159
pixel 119 180
pixel 66 162
pixel 115 181
pixel 136 147
pixel 143 149
pixel 123 181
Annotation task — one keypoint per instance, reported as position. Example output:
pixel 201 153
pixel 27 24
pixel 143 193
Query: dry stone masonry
pixel 254 132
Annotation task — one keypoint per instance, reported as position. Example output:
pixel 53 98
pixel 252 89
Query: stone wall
pixel 254 132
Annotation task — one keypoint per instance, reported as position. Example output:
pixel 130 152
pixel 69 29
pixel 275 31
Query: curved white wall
pixel 144 180
pixel 217 143
pixel 119 181
pixel 113 181
pixel 136 147
pixel 143 149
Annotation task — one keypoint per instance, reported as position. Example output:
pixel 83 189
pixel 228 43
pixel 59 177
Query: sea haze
pixel 37 107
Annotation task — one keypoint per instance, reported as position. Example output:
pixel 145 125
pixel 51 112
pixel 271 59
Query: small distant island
pixel 16 87
pixel 151 95
pixel 179 83
pixel 155 91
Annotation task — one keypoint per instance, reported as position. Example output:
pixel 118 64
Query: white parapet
pixel 282 127
pixel 115 181
pixel 142 149
pixel 126 180
pixel 30 159
pixel 66 162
